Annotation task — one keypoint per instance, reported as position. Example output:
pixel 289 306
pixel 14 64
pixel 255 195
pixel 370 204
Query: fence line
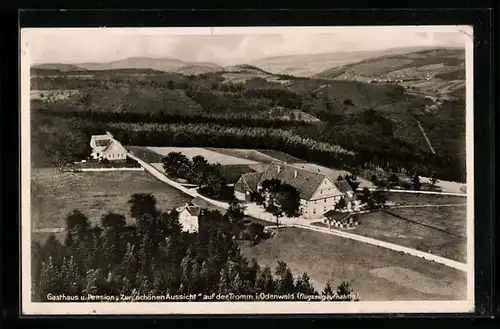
pixel 416 192
pixel 104 169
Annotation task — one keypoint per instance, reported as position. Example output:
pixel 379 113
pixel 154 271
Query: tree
pixel 393 179
pixel 284 283
pixel 77 222
pixel 341 204
pixel 235 213
pixel 303 285
pixel 344 289
pixel 365 196
pixel 289 199
pixel 71 275
pixel 273 207
pixel 113 221
pixel 51 280
pixel 416 184
pixel 352 181
pixel 433 181
pixel 280 198
pixel 379 198
pixel 257 198
pixel 141 204
pixel 176 164
pixel 265 282
pixel 328 290
pixel 224 282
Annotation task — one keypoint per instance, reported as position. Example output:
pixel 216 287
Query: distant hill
pixel 160 64
pixel 196 68
pixel 438 71
pixel 56 67
pixel 309 65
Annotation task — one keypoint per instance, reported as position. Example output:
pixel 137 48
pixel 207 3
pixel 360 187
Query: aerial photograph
pixel 252 165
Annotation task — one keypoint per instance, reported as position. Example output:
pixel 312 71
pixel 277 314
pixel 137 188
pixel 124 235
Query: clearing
pixel 210 156
pixel 247 154
pixel 145 154
pixel 55 194
pixel 281 156
pixel 375 273
pixel 439 231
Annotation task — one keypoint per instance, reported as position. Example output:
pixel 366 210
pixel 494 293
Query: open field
pixel 144 153
pixel 211 157
pixel 247 154
pixel 281 156
pixel 375 273
pixel 440 232
pixel 55 194
pixel 405 199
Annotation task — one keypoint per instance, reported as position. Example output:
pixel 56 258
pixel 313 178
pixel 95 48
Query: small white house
pixel 106 147
pixel 188 217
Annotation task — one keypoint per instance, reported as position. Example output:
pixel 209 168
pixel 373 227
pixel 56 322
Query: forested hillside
pixel 360 125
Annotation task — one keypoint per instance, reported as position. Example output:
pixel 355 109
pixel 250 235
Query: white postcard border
pixel 182 308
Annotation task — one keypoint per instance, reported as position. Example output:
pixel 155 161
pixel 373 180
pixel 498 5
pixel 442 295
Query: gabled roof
pixel 193 210
pixel 111 145
pixel 305 181
pixel 343 186
pixel 248 182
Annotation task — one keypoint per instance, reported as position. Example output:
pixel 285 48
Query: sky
pixel 224 46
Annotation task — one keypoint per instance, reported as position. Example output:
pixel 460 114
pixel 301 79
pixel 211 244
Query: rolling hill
pixel 57 67
pixel 159 64
pixel 374 120
pixel 437 72
pixel 310 65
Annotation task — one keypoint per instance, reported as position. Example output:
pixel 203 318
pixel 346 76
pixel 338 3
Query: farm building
pixel 188 217
pixel 106 147
pixel 318 193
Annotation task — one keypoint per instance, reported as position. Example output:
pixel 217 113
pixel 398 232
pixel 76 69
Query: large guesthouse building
pixel 318 192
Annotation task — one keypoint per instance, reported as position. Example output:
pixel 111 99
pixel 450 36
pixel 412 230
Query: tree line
pixel 203 99
pixel 154 256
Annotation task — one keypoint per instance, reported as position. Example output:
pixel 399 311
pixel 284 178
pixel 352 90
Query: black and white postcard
pixel 256 170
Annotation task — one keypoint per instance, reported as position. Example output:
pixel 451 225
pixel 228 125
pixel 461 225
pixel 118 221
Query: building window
pixel 325 200
pixel 314 211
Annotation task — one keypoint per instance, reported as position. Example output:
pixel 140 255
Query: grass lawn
pixel 449 244
pixel 415 199
pixel 375 273
pixel 145 154
pixel 55 194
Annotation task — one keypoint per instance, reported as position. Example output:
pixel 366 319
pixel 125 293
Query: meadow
pixel 439 231
pixel 210 156
pixel 55 194
pixel 375 273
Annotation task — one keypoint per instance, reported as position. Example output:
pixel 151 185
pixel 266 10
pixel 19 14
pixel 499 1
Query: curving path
pixel 257 212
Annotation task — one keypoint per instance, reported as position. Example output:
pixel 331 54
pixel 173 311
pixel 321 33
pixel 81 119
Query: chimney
pixel 295 174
